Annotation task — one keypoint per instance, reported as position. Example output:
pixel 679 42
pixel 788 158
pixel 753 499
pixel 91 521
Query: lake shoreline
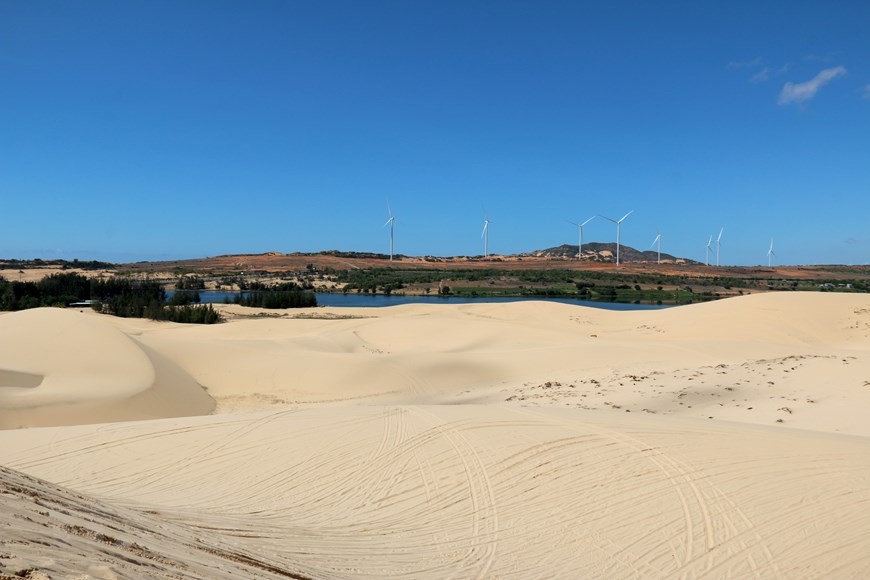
pixel 341 300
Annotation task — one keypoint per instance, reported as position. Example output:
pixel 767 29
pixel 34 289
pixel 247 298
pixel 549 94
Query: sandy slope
pixel 62 367
pixel 51 532
pixel 519 440
pixel 472 491
pixel 802 359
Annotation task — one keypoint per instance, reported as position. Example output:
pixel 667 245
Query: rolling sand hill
pixel 62 368
pixel 726 439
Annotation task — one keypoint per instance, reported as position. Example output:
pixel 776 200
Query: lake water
pixel 377 300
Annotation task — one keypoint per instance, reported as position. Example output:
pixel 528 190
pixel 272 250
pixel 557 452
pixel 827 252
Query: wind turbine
pixel 580 245
pixel 707 258
pixel 485 234
pixel 618 228
pixel 390 222
pixel 770 252
pixel 718 239
pixel 659 240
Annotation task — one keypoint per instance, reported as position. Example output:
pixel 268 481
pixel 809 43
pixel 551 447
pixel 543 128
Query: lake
pixel 378 300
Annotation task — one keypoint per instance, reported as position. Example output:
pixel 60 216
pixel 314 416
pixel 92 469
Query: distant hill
pixel 606 253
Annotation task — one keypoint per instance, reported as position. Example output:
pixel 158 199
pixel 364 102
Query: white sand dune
pixel 472 491
pixel 51 532
pixel 741 359
pixel 726 439
pixel 61 367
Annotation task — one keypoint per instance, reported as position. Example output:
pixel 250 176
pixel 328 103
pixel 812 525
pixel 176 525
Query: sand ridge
pixel 62 367
pixel 741 360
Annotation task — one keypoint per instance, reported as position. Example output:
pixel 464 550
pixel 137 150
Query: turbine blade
pixel 484 229
pixel 609 219
pixel 573 223
pixel 626 215
pixel 587 221
pixel 720 235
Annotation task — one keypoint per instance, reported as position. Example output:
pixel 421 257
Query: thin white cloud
pixel 760 76
pixel 821 57
pixel 745 63
pixel 760 69
pixel 800 92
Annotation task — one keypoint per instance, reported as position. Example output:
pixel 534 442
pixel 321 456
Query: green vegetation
pixel 183 298
pixel 648 288
pixel 622 293
pixel 284 295
pixel 597 286
pixel 190 283
pixel 120 297
pixel 190 314
pixel 54 290
pixel 64 264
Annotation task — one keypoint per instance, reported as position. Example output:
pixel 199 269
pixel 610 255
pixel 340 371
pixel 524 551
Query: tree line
pixel 120 297
pixel 65 264
pixel 283 295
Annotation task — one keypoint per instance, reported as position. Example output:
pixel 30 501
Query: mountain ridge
pixel 605 252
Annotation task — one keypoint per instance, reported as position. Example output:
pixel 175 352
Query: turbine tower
pixel 390 222
pixel 618 228
pixel 580 245
pixel 707 257
pixel 659 241
pixel 485 234
pixel 718 239
pixel 770 252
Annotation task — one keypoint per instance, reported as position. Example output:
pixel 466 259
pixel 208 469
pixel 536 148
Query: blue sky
pixel 153 130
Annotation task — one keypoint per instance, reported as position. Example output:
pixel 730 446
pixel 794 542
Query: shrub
pixel 189 313
pixel 184 298
pixel 286 295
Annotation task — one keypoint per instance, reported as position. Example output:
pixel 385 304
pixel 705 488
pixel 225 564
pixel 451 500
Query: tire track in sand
pixel 681 475
pixel 482 496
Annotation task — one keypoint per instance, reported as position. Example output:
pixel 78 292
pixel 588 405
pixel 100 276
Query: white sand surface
pixel 726 439
pixel 63 367
pixel 744 359
pixel 458 491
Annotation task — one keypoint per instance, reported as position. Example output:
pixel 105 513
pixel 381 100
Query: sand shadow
pixel 15 379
